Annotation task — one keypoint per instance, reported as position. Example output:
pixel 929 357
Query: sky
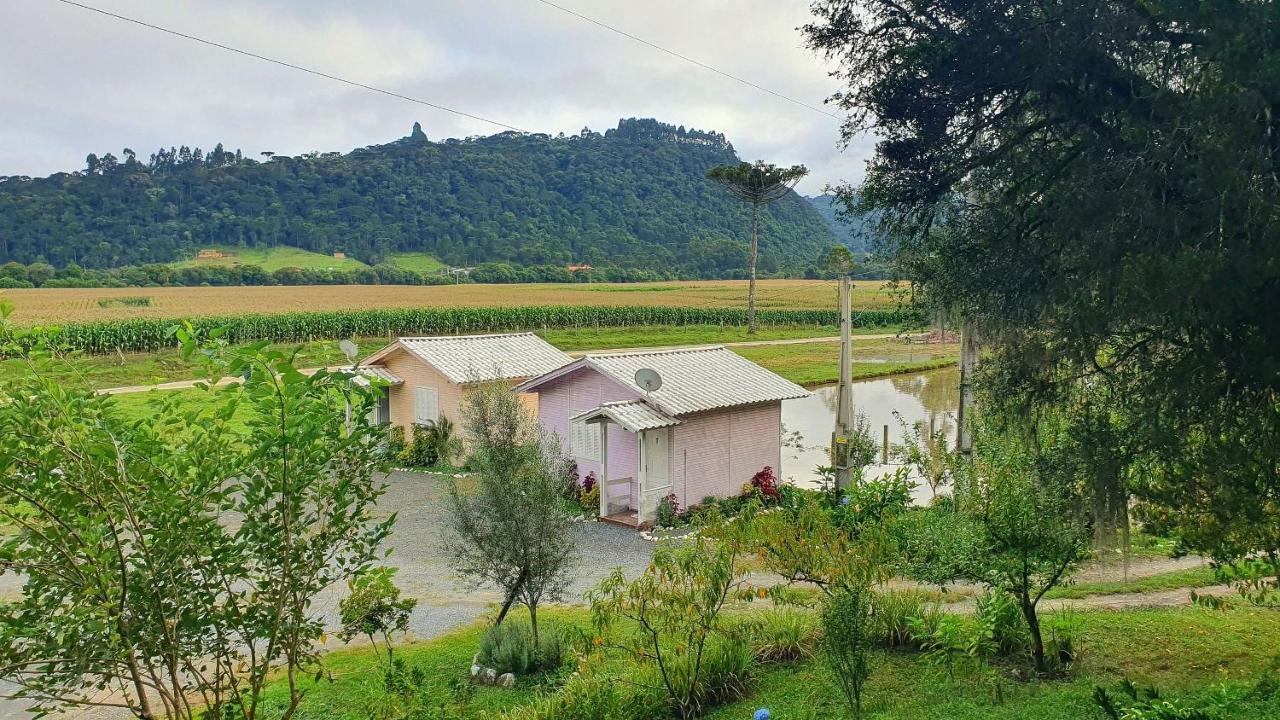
pixel 74 82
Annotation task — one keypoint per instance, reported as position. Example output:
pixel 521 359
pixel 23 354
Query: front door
pixel 655 459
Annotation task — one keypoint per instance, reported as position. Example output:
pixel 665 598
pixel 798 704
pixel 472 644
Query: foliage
pixel 375 610
pixel 902 617
pixel 511 648
pixel 590 501
pixel 1092 186
pixel 847 634
pixel 142 334
pixel 1000 620
pixel 927 452
pixel 514 531
pixel 434 443
pixel 783 635
pixel 668 511
pixel 763 486
pixel 631 197
pixel 135 592
pixel 1134 703
pixel 669 619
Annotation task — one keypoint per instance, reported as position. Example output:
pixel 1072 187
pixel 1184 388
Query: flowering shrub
pixel 589 482
pixel 590 500
pixel 763 487
pixel 668 514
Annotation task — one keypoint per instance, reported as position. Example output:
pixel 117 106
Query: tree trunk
pixel 1037 640
pixel 533 624
pixel 751 288
pixel 511 597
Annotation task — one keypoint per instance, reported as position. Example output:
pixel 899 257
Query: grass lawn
pixel 274 258
pixel 810 362
pixel 1177 650
pixel 1174 580
pixel 819 363
pixel 139 406
pixel 416 261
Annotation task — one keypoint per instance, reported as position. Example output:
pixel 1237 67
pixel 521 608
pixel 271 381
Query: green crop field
pixel 416 261
pixel 272 259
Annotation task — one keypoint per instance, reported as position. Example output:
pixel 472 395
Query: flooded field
pixel 927 397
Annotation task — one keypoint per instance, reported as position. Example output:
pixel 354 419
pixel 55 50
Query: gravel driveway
pixel 444 602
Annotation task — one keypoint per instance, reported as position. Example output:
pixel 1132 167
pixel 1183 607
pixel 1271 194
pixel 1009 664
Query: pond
pixel 925 397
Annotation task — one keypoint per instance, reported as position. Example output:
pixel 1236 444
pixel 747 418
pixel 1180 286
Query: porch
pixel 631 500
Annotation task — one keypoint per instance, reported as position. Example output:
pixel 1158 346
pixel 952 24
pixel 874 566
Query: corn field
pixel 147 334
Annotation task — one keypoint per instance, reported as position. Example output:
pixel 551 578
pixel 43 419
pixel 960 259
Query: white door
pixel 656 455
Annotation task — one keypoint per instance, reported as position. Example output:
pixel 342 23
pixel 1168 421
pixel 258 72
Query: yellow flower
pixel 598 641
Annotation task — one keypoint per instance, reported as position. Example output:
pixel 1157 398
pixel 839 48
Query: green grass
pixel 416 261
pixel 274 258
pixel 140 406
pixel 1179 651
pixel 1174 580
pixel 819 363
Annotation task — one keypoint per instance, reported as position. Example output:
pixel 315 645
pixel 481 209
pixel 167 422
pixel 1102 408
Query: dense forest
pixel 632 197
pixel 855 233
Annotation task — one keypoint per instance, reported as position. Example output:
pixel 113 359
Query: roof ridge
pixel 655 351
pixel 465 337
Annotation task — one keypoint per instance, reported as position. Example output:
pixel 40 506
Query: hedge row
pixel 145 334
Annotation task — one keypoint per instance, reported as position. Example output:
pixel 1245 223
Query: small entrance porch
pixel 631 500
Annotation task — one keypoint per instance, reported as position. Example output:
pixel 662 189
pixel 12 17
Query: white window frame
pixel 421 396
pixel 584 440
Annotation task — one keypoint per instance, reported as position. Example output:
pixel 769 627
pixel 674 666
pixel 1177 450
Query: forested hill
pixel 634 196
pixel 856 233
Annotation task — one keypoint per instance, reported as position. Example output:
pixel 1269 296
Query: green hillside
pixel 416 261
pixel 633 197
pixel 272 258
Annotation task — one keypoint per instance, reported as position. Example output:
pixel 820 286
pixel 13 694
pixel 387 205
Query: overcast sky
pixel 74 82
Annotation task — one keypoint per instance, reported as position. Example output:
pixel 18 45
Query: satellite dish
pixel 349 349
pixel 648 379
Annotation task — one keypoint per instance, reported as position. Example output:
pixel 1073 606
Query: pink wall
pixel 702 465
pixel 583 390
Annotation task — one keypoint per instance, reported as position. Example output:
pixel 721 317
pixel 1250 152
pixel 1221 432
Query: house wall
pixel 415 374
pixel 714 453
pixel 578 392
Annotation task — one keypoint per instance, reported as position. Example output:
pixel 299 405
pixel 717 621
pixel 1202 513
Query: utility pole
pixel 968 365
pixel 844 399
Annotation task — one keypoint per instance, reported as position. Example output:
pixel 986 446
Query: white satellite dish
pixel 648 379
pixel 349 349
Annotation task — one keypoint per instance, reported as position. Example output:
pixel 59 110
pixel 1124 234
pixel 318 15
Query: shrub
pixel 1001 619
pixel 899 615
pixel 783 635
pixel 763 486
pixel 589 482
pixel 947 643
pixel 668 514
pixel 572 488
pixel 846 641
pixel 510 648
pixel 395 441
pixel 591 697
pixel 590 500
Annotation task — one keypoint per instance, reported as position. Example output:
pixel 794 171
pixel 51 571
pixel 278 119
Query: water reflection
pixel 930 397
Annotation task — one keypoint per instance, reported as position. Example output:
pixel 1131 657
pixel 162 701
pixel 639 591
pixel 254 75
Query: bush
pixel 727 672
pixel 509 648
pixel 763 486
pixel 899 616
pixel 395 441
pixel 1001 620
pixel 783 635
pixel 590 500
pixel 846 641
pixel 668 514
pixel 572 488
pixel 433 444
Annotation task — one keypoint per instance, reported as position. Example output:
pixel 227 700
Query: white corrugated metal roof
pixel 482 358
pixel 634 415
pixel 697 379
pixel 379 372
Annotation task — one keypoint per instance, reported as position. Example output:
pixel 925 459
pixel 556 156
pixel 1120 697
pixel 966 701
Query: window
pixel 584 440
pixel 426 406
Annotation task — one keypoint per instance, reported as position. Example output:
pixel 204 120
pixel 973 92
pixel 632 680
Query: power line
pixel 289 65
pixel 688 59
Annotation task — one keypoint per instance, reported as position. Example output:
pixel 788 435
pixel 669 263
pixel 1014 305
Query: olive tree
pixel 514 530
pixel 170 563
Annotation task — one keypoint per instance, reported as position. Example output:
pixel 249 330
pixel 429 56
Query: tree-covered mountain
pixel 635 196
pixel 855 233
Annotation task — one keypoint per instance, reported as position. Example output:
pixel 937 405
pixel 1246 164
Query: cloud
pixel 74 82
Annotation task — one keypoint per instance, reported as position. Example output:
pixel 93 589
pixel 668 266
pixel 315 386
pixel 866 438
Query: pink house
pixel 714 421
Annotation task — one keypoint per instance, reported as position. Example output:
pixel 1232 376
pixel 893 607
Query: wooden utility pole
pixel 968 364
pixel 844 398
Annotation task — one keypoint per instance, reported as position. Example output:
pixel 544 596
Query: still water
pixel 926 397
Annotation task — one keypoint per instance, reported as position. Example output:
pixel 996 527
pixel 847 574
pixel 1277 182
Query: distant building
pixel 428 376
pixel 339 255
pixel 715 421
pixel 210 254
pixel 576 268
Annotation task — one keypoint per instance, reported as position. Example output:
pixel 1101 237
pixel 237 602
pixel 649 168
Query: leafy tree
pixel 375 609
pixel 671 620
pixel 757 185
pixel 1093 185
pixel 847 634
pixel 515 530
pixel 137 593
pixel 838 261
